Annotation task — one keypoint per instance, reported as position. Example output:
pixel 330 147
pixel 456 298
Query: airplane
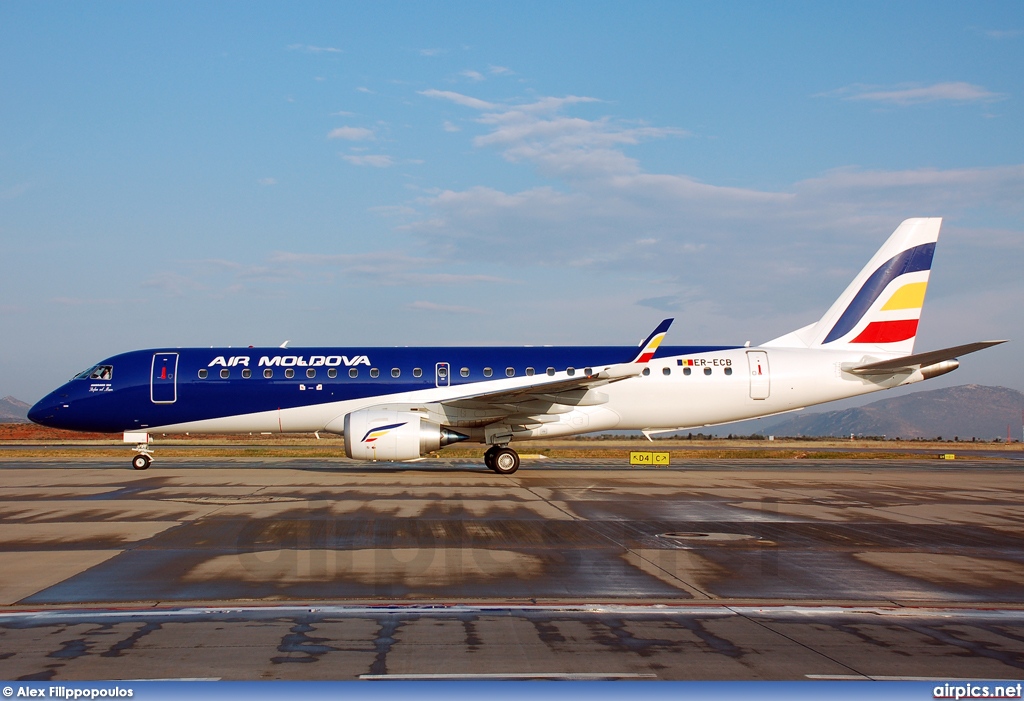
pixel 399 404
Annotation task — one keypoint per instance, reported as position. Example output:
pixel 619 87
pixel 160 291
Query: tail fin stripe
pixel 649 345
pixel 910 296
pixel 911 260
pixel 887 331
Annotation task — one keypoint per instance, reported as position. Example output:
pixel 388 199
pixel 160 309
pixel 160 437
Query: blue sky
pixel 177 174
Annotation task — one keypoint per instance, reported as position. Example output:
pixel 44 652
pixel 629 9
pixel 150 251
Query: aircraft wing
pixel 920 360
pixel 568 390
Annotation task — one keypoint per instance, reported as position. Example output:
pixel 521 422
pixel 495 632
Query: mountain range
pixel 13 410
pixel 965 412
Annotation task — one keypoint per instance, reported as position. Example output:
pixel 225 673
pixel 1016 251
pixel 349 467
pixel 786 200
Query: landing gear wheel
pixel 140 462
pixel 505 461
pixel 489 457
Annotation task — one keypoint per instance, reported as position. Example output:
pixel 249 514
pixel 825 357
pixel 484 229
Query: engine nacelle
pixel 378 434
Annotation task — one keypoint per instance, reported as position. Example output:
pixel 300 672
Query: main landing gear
pixel 501 459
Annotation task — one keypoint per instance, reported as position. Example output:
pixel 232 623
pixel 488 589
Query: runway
pixel 329 569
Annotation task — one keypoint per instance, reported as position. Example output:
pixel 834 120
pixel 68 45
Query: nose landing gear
pixel 145 455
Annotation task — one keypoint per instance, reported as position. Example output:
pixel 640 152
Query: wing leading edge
pixel 563 390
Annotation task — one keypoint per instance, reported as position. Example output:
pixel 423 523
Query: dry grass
pixel 37 441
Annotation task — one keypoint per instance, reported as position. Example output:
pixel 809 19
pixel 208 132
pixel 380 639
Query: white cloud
pixel 560 145
pixel 445 308
pixel 314 49
pixel 267 181
pixel 499 70
pixel 998 34
pixel 173 283
pixel 475 76
pixel 450 127
pixel 84 301
pixel 15 191
pixel 718 253
pixel 459 99
pixel 907 95
pixel 351 134
pixel 390 268
pixel 385 267
pixel 372 160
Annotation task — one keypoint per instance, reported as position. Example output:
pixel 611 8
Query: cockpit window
pixel 98 372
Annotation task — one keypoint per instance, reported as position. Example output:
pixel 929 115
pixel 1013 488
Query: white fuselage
pixel 719 387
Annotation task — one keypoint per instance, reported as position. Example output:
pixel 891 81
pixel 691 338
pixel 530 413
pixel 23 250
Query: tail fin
pixel 880 310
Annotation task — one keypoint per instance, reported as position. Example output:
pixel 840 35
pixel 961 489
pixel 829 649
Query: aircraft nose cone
pixel 44 412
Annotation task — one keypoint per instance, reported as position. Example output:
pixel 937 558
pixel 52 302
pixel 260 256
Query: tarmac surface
pixel 330 569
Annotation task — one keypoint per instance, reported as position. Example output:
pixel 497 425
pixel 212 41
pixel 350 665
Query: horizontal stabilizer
pixel 920 360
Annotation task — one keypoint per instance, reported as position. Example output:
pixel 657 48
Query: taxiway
pixel 329 569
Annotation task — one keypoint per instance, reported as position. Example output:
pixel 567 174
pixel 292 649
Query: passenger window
pixel 488 372
pixel 588 371
pixel 203 374
pixel 353 372
pixel 728 371
pixel 247 373
pixel 464 372
pixel 551 372
pixel 310 373
pixel 510 372
pixel 707 371
pixel 374 372
pixel 666 371
pixel 332 373
pixel 289 373
pixel 687 371
pixel 529 371
pixel 646 372
pixel 224 374
pixel 417 372
pixel 570 371
pixel 268 373
pixel 395 372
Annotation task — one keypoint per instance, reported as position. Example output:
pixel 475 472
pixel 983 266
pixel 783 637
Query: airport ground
pixel 31 440
pixel 292 567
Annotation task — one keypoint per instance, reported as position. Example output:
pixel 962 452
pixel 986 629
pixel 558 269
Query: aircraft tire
pixel 489 457
pixel 505 461
pixel 140 462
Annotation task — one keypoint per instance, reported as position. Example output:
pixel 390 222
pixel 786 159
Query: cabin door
pixel 760 380
pixel 163 384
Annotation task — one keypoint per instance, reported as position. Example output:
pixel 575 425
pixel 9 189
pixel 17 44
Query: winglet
pixel 649 345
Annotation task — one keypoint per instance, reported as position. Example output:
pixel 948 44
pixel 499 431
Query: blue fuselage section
pixel 163 387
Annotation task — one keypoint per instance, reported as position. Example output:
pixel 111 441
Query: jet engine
pixel 381 434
